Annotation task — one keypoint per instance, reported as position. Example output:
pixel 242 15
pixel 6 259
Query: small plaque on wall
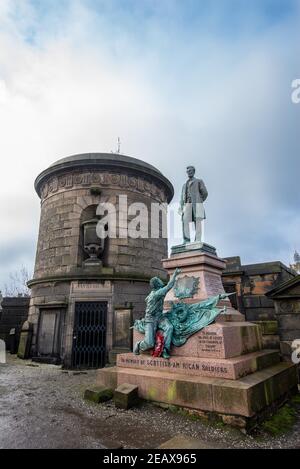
pixel 122 331
pixel 86 286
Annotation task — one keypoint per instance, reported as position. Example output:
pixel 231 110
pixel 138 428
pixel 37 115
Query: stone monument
pixel 86 291
pixel 194 350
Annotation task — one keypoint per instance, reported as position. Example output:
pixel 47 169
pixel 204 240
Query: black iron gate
pixel 89 336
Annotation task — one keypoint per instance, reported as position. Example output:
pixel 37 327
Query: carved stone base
pixel 196 246
pixel 244 397
pixel 221 369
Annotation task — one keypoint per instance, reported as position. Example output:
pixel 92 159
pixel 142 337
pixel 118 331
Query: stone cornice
pixel 69 278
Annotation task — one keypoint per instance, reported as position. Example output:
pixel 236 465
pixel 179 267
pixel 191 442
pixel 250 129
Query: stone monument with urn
pixel 192 349
pixel 86 290
pixel 93 245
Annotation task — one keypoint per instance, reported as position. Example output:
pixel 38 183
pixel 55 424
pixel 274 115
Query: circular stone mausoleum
pixel 86 292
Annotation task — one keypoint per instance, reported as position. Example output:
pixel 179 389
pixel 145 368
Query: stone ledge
pixel 271 342
pixel 268 327
pixel 197 247
pixel 71 277
pixel 232 368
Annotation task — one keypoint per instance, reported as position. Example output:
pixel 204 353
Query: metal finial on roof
pixel 118 150
pixel 119 146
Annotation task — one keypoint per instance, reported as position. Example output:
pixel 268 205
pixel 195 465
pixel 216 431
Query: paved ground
pixel 41 406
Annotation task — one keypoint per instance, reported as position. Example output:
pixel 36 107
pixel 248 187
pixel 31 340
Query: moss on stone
pixel 258 335
pixel 268 327
pixel 281 422
pixel 98 394
pixel 173 408
pixel 151 393
pixel 265 361
pixel 185 413
pixel 296 399
pixel 171 391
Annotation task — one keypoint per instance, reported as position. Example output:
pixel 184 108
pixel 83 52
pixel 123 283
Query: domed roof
pixel 94 158
pixel 108 161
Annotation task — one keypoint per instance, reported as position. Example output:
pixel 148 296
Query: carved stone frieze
pixel 105 179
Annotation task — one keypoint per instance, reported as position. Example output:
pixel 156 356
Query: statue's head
pixel 190 170
pixel 156 283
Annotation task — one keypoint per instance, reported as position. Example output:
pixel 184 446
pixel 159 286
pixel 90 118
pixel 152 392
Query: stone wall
pixel 252 282
pixel 119 293
pixel 131 294
pixel 287 306
pixel 14 314
pixel 43 294
pixel 59 249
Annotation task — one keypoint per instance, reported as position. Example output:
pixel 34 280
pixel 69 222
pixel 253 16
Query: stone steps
pixel 231 368
pixel 243 397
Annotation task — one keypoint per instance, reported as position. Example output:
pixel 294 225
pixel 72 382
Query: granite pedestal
pixel 205 268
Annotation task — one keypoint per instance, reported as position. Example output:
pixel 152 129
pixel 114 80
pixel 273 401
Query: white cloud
pixel 74 81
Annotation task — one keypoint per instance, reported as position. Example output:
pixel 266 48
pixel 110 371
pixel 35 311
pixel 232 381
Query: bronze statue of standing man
pixel 194 193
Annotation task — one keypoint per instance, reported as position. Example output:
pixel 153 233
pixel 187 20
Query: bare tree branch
pixel 17 285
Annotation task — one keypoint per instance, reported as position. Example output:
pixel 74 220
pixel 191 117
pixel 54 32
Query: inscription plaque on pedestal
pixel 210 342
pixel 122 331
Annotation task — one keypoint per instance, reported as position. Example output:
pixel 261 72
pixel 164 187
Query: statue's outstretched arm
pixel 164 290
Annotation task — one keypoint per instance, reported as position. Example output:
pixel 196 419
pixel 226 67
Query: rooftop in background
pixel 95 157
pixel 233 264
pixel 284 287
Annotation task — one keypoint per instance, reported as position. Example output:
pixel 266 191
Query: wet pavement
pixel 41 406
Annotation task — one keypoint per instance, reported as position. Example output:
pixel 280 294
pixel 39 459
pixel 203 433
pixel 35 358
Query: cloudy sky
pixel 203 82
